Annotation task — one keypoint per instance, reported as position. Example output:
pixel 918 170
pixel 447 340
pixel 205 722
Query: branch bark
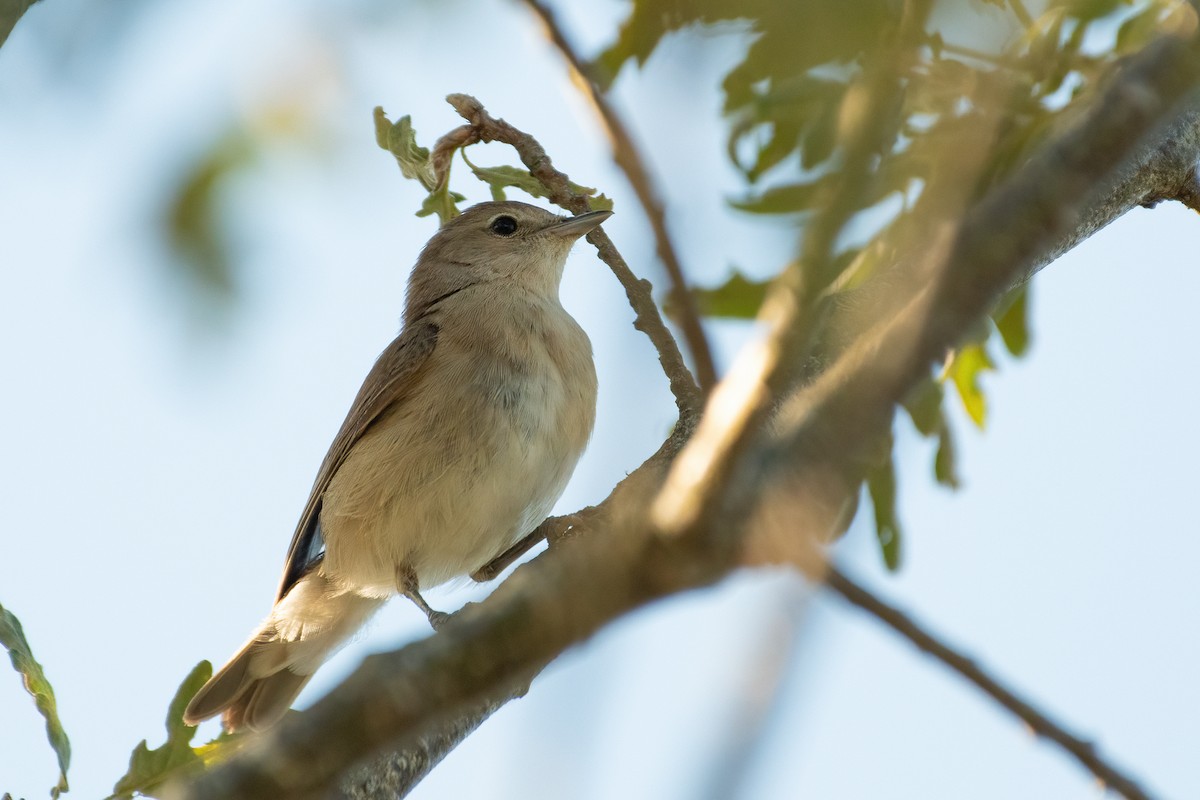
pixel 562 597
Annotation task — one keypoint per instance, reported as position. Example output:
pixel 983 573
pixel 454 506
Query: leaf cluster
pixel 149 769
pixel 969 89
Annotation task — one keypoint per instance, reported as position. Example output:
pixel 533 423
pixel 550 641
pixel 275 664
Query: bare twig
pixel 483 127
pixel 1083 751
pixel 561 598
pixel 628 157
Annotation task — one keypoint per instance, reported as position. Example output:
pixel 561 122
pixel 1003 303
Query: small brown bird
pixel 459 442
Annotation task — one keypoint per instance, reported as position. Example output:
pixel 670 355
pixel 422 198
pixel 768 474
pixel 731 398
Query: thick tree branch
pixel 897 620
pixel 562 597
pixel 628 157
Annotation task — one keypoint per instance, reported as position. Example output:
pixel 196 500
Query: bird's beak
pixel 578 226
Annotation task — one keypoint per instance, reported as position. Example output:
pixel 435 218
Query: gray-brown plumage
pixel 459 442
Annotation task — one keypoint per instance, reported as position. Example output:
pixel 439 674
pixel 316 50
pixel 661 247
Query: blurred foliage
pixel 12 637
pixel 193 223
pixel 10 12
pixel 837 108
pixel 150 769
pixel 881 485
pixel 399 139
pixel 196 221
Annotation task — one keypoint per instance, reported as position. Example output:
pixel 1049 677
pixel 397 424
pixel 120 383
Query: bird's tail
pixel 260 682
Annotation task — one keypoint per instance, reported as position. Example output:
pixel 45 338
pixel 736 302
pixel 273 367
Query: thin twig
pixel 1083 751
pixel 483 127
pixel 629 159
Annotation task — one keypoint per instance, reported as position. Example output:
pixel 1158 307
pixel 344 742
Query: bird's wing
pixel 390 381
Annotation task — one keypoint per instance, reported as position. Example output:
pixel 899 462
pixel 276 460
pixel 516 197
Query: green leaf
pixel 648 23
pixel 737 298
pixel 12 636
pixel 1140 28
pixel 881 483
pixel 1012 321
pixel 964 369
pixel 504 176
pixel 790 199
pixel 1091 9
pixel 176 758
pixel 945 462
pixel 400 140
pixel 193 220
pixel 924 406
pixel 443 202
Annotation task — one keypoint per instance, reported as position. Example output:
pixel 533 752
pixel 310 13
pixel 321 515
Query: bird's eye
pixel 505 226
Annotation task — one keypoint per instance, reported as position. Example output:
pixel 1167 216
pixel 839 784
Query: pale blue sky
pixel 155 468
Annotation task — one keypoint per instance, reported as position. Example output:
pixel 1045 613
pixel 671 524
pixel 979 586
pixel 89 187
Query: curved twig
pixel 483 127
pixel 628 157
pixel 1083 751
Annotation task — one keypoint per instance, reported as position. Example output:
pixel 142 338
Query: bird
pixel 463 436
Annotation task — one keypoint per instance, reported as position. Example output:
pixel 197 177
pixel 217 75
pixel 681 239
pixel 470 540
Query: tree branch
pixel 1084 752
pixel 562 597
pixel 629 159
pixel 483 127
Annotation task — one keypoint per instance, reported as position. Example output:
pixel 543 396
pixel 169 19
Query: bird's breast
pixel 474 459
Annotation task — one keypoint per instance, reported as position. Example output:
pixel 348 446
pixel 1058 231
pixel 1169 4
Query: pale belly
pixel 445 485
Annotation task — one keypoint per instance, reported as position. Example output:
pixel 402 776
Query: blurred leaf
pixel 1139 29
pixel 400 140
pixel 789 199
pixel 881 483
pixel 176 758
pixel 945 462
pixel 193 223
pixel 648 23
pixel 964 369
pixel 1090 9
pixel 1012 322
pixel 924 406
pixel 737 298
pixel 12 636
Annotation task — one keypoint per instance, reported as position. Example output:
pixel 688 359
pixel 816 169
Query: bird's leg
pixel 407 585
pixel 551 529
pixel 501 562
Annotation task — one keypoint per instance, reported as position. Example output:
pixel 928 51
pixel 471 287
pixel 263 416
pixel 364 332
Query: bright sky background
pixel 157 456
